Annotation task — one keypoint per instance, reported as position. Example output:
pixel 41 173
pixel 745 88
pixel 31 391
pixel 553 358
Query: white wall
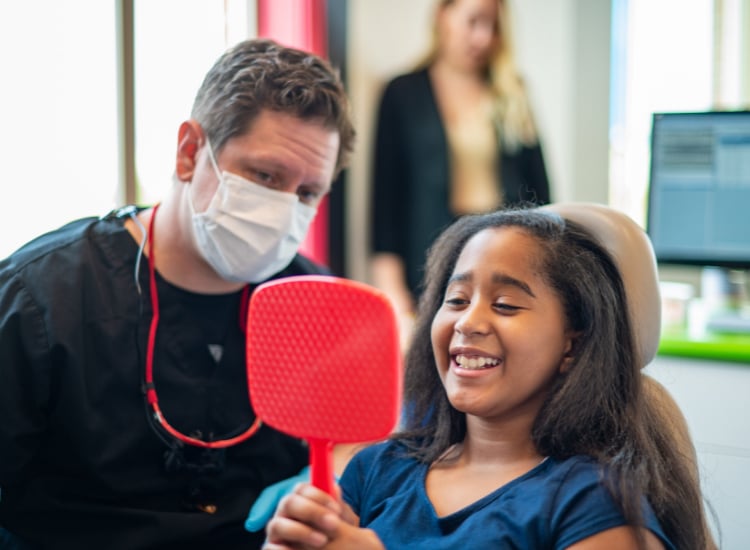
pixel 385 37
pixel 713 396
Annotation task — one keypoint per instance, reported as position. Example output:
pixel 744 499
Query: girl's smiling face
pixel 500 336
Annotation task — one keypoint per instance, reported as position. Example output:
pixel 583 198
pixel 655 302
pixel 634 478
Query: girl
pixel 526 425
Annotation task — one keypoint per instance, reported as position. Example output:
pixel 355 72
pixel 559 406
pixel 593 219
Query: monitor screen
pixel 699 193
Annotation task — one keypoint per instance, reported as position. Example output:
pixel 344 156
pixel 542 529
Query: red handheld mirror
pixel 324 364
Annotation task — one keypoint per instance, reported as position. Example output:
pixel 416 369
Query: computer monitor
pixel 699 195
pixel 699 206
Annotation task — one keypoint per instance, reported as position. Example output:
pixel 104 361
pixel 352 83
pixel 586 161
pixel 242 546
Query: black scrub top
pixel 82 462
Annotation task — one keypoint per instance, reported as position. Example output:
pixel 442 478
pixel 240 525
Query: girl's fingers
pixel 305 517
pixel 284 531
pixel 318 496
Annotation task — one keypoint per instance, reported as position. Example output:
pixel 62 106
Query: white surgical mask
pixel 249 232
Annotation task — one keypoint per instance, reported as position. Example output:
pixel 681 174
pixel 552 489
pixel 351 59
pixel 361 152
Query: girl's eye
pixel 506 308
pixel 455 301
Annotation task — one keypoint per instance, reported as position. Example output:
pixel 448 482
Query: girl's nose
pixel 472 321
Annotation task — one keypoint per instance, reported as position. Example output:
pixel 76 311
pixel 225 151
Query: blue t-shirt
pixel 554 505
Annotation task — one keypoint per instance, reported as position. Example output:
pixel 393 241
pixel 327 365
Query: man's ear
pixel 189 140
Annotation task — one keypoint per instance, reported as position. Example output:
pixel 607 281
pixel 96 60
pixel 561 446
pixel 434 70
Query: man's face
pixel 281 152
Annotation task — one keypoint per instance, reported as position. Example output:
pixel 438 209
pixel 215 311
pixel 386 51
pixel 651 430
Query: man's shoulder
pixel 59 250
pixel 48 243
pixel 302 265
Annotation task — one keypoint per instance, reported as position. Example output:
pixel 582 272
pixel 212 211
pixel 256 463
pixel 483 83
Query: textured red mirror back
pixel 323 359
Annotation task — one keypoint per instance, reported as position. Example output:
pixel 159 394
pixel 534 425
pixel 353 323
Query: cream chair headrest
pixel 631 250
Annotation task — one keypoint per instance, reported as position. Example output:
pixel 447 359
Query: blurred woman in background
pixel 455 136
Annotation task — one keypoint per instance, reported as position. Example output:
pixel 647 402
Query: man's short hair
pixel 260 74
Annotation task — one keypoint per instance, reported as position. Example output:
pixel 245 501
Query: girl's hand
pixel 309 518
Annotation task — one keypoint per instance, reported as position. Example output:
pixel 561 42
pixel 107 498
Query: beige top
pixel 473 159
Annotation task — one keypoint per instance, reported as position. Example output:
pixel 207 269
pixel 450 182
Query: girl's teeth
pixel 475 362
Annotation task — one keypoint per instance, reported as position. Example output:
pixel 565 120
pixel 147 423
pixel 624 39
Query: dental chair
pixel 633 253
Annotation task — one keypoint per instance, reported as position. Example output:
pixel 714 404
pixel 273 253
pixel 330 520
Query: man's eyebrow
pixel 498 279
pixel 262 163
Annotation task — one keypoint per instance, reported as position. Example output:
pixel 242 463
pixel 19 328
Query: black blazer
pixel 411 173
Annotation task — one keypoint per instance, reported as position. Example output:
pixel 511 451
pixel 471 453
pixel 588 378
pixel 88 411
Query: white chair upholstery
pixel 631 250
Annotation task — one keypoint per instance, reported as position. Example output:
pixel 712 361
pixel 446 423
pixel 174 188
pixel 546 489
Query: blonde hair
pixel 513 116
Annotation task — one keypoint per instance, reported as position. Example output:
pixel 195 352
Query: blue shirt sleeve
pixel 583 507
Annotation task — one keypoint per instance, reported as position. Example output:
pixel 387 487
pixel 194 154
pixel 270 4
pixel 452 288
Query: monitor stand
pixel 724 296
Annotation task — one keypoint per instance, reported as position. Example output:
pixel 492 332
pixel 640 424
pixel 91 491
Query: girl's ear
pixel 570 352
